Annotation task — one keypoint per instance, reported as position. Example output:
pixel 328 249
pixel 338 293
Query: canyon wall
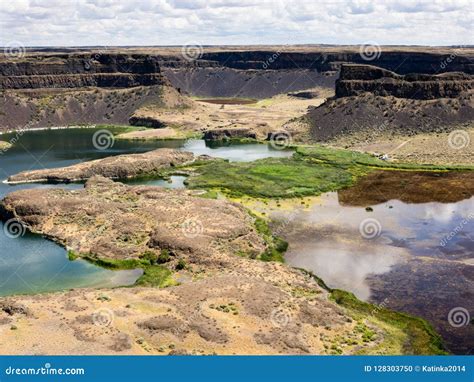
pixel 80 70
pixel 357 79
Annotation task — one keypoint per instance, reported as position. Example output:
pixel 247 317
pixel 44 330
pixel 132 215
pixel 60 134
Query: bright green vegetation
pixel 153 274
pixel 347 159
pixel 156 276
pixel 311 171
pixel 276 245
pixel 271 177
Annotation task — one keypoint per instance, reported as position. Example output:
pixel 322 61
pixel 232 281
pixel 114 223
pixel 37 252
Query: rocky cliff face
pixel 321 60
pixel 357 79
pixel 373 103
pixel 81 70
pixel 265 73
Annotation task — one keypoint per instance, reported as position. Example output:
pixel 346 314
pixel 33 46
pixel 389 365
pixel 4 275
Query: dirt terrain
pixel 224 302
pixel 260 118
pixel 442 148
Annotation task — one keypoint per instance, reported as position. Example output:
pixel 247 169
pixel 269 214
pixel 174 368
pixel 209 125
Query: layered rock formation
pixel 372 102
pixel 114 167
pixel 262 72
pixel 358 79
pixel 80 70
pixel 61 89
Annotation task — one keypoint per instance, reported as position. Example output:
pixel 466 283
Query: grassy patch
pixel 311 171
pixel 347 158
pixel 276 245
pixel 153 274
pixel 272 177
pixel 156 276
pixel 405 334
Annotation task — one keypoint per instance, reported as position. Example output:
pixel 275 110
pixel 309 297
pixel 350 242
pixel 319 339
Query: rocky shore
pixel 115 167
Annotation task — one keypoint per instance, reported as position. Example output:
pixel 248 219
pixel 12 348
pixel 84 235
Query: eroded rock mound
pixel 115 167
pixel 110 220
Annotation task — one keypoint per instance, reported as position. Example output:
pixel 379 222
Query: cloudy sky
pixel 179 22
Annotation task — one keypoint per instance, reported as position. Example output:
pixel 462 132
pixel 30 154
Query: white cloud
pixel 171 22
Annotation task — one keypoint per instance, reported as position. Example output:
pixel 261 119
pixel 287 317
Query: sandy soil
pixel 430 148
pixel 263 116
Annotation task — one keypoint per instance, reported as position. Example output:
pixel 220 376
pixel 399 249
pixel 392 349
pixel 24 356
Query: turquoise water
pixel 32 264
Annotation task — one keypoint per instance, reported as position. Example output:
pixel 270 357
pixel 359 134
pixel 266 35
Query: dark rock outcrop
pixel 222 134
pixel 358 79
pixel 146 121
pixel 81 70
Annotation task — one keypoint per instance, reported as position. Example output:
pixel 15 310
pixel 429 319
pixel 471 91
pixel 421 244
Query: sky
pixel 230 22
